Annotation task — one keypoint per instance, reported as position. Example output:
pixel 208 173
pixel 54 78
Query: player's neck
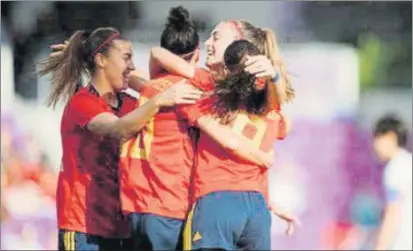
pixel 102 86
pixel 101 83
pixel 217 70
pixel 395 152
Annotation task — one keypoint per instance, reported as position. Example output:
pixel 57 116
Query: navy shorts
pixel 72 240
pixel 152 232
pixel 229 220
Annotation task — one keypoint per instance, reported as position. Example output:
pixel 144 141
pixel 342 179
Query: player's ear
pixel 100 60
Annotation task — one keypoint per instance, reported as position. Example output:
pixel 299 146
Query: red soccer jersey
pixel 262 131
pixel 217 170
pixel 156 165
pixel 88 184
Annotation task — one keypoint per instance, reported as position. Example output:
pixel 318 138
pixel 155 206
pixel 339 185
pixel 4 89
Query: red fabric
pixel 203 79
pixel 205 82
pixel 217 170
pixel 88 189
pixel 156 165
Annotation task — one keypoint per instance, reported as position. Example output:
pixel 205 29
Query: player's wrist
pixel 276 78
pixel 157 101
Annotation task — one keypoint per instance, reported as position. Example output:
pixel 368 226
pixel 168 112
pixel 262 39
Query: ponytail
pixel 272 51
pixel 66 69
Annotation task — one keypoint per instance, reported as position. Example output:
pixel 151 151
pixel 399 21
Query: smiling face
pixel 221 37
pixel 118 64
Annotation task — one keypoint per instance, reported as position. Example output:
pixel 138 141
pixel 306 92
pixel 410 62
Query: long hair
pixel 239 90
pixel 77 59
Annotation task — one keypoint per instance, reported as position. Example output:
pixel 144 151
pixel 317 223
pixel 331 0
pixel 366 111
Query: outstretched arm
pixel 234 143
pixel 102 122
pixel 138 79
pixel 161 58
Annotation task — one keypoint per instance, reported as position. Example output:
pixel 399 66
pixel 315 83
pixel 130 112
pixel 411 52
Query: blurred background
pixel 350 62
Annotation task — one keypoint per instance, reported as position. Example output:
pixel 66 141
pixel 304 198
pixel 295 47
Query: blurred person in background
pixel 96 120
pixel 27 191
pixel 390 138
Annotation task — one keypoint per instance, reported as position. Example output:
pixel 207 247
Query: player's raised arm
pixel 138 79
pixel 161 58
pixel 270 65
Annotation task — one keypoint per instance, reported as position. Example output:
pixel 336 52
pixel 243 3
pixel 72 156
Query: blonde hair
pixel 266 42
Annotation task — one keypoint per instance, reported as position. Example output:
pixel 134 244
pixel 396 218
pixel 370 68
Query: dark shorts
pixel 71 240
pixel 229 220
pixel 151 232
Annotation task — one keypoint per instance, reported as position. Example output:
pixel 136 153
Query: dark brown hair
pixel 77 59
pixel 392 123
pixel 266 42
pixel 180 35
pixel 239 89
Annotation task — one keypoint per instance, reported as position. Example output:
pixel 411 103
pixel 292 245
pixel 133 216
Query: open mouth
pixel 210 51
pixel 126 75
pixel 126 79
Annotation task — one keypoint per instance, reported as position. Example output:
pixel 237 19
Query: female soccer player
pixel 242 220
pixel 96 119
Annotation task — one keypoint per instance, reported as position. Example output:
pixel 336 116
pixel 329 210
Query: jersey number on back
pixel 140 146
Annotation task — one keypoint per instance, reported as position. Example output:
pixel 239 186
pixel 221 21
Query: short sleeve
pixel 83 108
pixel 193 112
pixel 202 80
